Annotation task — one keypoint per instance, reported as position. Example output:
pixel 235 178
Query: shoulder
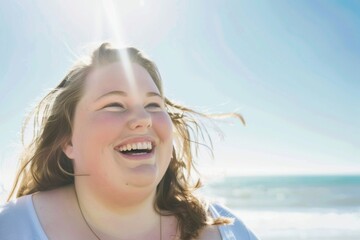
pixel 17 219
pixel 210 232
pixel 237 230
pixel 14 210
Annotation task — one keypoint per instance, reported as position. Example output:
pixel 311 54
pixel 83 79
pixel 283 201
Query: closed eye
pixel 154 107
pixel 114 107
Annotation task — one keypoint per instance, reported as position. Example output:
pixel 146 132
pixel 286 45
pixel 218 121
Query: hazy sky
pixel 292 68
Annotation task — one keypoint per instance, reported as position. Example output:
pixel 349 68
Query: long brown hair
pixel 44 166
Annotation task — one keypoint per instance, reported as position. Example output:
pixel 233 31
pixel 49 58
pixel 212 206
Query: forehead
pixel 116 77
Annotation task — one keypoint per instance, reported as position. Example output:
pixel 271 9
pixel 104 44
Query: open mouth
pixel 136 152
pixel 139 149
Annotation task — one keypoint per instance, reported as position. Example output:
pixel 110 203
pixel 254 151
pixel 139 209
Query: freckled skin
pixel 98 129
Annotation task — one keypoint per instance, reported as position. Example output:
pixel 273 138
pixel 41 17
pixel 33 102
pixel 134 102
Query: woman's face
pixel 122 134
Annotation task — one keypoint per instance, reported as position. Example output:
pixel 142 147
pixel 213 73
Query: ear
pixel 68 149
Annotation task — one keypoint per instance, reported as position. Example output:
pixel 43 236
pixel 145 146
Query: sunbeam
pixel 114 21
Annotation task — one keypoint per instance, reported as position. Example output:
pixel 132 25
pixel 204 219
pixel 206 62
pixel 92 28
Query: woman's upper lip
pixel 136 139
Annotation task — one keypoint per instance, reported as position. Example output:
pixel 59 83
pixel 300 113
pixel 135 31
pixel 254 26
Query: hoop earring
pixel 173 154
pixel 61 168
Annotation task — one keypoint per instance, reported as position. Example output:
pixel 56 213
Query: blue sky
pixel 290 67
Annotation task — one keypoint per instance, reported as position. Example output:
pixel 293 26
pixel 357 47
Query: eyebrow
pixel 124 94
pixel 153 94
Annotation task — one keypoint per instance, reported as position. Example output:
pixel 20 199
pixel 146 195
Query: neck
pixel 120 221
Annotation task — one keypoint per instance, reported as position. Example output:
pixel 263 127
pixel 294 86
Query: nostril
pixel 140 119
pixel 140 123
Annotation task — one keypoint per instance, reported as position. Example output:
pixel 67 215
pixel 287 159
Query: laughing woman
pixel 111 158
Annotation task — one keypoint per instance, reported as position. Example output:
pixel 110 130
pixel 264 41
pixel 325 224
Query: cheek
pixel 103 128
pixel 95 133
pixel 163 127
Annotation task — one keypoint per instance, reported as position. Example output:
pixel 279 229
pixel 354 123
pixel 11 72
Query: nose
pixel 140 119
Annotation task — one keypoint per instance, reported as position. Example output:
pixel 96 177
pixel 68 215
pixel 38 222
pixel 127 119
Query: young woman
pixel 111 158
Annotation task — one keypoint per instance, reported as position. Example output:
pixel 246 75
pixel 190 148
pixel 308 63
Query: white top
pixel 19 221
pixel 236 231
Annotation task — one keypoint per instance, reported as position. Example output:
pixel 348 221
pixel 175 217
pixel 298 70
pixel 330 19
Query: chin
pixel 143 176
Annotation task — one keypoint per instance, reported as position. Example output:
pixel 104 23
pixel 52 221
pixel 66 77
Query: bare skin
pixel 117 193
pixel 60 218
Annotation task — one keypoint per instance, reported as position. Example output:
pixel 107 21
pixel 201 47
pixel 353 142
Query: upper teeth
pixel 133 146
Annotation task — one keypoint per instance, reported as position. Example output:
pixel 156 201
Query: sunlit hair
pixel 44 166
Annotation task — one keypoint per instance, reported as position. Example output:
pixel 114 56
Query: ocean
pixel 290 207
pixel 293 207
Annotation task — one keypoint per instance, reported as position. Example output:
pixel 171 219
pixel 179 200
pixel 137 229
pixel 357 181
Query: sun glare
pixel 112 14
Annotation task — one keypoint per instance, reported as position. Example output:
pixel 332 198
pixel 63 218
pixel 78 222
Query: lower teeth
pixel 138 153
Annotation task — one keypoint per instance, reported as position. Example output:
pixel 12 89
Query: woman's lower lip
pixel 138 156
